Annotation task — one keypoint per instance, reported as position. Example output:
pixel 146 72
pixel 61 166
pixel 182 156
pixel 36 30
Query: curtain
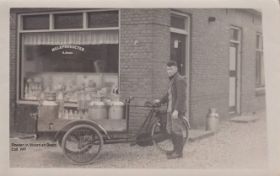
pixel 78 38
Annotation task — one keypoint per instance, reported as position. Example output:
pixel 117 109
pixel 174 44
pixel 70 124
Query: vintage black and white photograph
pixel 137 88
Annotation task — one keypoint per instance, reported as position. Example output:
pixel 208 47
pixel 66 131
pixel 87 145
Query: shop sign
pixel 68 49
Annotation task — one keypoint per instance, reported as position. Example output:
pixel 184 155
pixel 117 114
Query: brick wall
pixel 143 54
pixel 161 51
pixel 135 57
pixel 209 66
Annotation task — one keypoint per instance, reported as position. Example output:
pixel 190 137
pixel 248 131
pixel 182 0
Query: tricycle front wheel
pixel 82 144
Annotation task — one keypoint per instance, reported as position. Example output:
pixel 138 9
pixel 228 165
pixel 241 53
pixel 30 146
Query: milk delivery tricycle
pixel 82 130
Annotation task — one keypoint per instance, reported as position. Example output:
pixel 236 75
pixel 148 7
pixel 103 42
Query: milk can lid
pixel 97 103
pixel 117 103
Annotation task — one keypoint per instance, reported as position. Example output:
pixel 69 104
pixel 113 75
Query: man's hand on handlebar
pixel 152 103
pixel 156 102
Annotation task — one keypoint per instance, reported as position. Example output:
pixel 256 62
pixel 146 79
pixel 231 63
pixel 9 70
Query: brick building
pixel 218 50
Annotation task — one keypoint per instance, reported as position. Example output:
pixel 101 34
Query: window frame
pixel 185 31
pixel 51 21
pixel 85 27
pixel 239 33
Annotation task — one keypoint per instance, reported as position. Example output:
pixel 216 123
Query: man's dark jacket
pixel 179 97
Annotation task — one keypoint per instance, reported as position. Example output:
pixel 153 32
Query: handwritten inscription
pixel 23 147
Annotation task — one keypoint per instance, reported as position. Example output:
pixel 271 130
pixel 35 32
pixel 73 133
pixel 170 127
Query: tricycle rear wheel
pixel 82 144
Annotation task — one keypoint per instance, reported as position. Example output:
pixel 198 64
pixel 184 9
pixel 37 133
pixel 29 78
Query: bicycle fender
pixel 187 122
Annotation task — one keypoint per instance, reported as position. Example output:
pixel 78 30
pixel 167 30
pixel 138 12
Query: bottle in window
pixel 26 89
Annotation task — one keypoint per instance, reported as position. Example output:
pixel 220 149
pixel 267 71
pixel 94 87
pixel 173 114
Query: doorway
pixel 178 51
pixel 180 46
pixel 234 71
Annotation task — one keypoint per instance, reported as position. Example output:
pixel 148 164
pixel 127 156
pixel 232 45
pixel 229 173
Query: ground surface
pixel 236 145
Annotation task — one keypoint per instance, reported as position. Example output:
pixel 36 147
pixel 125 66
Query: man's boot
pixel 179 144
pixel 173 139
pixel 175 154
pixel 180 141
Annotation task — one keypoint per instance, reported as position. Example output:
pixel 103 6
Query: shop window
pixel 72 60
pixel 35 22
pixel 260 82
pixel 68 21
pixel 103 19
pixel 178 21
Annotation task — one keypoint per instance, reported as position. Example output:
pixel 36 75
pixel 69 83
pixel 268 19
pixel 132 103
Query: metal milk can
pixel 116 109
pixel 97 109
pixel 212 120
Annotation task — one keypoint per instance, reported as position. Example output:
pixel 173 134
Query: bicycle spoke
pixel 82 144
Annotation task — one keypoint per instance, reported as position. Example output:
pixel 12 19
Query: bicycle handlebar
pixel 151 104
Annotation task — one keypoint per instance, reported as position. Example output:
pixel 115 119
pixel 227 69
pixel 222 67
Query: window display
pixel 53 62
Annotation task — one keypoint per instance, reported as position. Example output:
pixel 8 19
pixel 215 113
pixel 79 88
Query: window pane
pixel 234 34
pixel 260 82
pixel 32 22
pixel 178 21
pixel 259 69
pixel 66 21
pixel 45 65
pixel 262 71
pixel 261 43
pixel 103 19
pixel 71 58
pixel 258 42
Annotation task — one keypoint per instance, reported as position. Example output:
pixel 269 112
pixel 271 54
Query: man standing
pixel 176 109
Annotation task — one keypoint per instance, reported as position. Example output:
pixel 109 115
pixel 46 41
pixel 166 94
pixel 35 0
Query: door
pixel 233 77
pixel 180 47
pixel 178 51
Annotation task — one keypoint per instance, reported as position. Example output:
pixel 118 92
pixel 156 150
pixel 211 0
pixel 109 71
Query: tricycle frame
pixel 144 132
